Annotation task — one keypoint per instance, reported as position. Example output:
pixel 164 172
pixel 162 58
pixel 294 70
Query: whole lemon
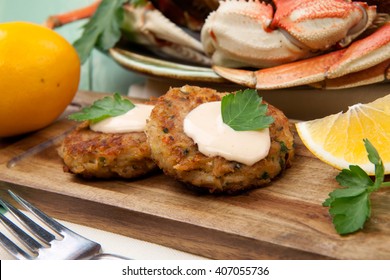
pixel 39 76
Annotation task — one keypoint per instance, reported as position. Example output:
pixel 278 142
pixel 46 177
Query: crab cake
pixel 106 155
pixel 178 156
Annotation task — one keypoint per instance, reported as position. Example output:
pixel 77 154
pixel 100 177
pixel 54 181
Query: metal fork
pixel 67 245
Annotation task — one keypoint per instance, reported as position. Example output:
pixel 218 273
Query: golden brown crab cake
pixel 106 155
pixel 178 156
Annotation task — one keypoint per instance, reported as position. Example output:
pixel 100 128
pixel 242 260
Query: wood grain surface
pixel 284 220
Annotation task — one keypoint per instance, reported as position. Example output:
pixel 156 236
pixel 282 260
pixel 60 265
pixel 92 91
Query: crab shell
pixel 186 13
pixel 147 26
pixel 250 33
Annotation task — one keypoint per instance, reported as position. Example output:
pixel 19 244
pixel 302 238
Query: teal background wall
pixel 100 73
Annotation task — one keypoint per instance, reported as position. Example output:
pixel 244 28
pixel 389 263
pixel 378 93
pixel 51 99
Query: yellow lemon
pixel 39 76
pixel 338 139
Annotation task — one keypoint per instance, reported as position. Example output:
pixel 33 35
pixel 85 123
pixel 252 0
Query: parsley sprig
pixel 103 30
pixel 109 106
pixel 350 207
pixel 245 111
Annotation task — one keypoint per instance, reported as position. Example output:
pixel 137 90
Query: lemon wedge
pixel 338 139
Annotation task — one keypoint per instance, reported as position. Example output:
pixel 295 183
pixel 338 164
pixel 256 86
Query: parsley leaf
pixel 350 207
pixel 104 108
pixel 244 111
pixel 102 30
pixel 137 3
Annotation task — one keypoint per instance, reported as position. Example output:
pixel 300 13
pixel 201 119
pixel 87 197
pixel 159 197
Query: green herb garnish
pixel 109 106
pixel 350 207
pixel 137 3
pixel 102 30
pixel 244 111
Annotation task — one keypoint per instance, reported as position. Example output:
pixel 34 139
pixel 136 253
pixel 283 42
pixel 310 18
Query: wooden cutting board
pixel 284 220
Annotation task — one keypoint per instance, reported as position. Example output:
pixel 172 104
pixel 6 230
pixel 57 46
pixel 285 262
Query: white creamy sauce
pixel 132 121
pixel 214 138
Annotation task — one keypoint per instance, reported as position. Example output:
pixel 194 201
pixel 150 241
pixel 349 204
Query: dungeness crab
pixel 322 43
pixel 290 44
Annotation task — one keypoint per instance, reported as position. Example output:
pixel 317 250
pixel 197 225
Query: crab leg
pixel 361 55
pixel 292 74
pixel 364 53
pixel 372 75
pixel 62 19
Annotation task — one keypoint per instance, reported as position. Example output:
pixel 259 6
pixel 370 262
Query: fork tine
pixel 13 249
pixel 30 242
pixel 36 229
pixel 56 226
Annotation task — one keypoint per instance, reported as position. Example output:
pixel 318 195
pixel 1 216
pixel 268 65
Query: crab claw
pixel 237 35
pixel 250 33
pixel 318 25
pixel 147 26
pixel 365 61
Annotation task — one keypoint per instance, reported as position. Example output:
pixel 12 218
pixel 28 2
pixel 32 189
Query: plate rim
pixel 157 67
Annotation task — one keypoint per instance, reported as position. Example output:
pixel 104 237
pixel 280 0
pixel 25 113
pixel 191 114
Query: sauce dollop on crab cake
pixel 200 157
